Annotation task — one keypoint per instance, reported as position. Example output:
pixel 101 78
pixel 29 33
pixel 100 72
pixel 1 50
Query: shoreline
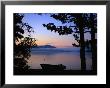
pixel 48 72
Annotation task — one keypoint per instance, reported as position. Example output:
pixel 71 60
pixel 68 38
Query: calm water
pixel 70 57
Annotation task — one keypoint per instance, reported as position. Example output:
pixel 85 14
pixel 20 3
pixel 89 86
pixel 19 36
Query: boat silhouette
pixel 51 67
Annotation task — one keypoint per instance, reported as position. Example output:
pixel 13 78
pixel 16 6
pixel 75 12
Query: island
pixel 44 46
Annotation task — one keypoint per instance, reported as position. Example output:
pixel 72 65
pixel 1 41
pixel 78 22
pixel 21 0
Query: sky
pixel 44 36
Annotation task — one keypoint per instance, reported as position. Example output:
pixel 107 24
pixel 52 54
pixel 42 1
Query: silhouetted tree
pixel 22 44
pixel 77 29
pixel 92 26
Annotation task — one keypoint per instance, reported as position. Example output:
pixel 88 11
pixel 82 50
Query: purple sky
pixel 45 36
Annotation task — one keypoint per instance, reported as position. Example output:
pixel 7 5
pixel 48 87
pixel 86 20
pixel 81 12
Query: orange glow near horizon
pixel 60 44
pixel 58 41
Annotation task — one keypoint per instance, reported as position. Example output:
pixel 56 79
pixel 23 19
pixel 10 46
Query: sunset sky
pixel 45 36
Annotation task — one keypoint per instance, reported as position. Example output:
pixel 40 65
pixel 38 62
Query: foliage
pixel 22 44
pixel 82 23
pixel 78 19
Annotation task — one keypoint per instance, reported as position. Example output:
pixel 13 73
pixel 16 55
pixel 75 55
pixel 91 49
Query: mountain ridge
pixel 44 46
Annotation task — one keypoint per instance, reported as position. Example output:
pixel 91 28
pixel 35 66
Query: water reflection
pixel 70 59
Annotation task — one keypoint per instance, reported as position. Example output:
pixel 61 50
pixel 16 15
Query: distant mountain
pixel 44 46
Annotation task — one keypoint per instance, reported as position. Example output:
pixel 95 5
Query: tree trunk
pixel 82 49
pixel 82 44
pixel 94 50
pixel 93 45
